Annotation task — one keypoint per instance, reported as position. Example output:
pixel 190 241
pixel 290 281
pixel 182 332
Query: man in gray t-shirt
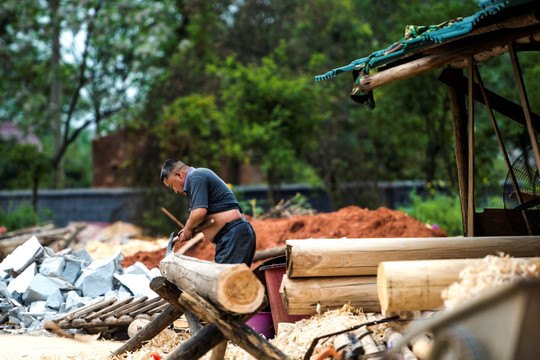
pixel 210 198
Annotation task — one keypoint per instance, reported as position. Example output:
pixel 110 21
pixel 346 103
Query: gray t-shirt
pixel 207 190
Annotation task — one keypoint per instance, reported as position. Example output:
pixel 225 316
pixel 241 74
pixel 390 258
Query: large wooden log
pixel 417 285
pixel 301 295
pixel 351 257
pixel 231 287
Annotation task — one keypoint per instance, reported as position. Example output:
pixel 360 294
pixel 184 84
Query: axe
pixel 173 239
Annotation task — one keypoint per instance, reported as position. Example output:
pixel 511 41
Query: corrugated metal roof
pixel 491 12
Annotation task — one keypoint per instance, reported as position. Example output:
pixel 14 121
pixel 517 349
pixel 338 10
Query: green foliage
pixel 22 217
pixel 437 208
pixel 22 166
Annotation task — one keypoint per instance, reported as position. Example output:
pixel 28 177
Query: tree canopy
pixel 232 81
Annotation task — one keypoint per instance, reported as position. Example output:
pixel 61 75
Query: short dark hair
pixel 169 166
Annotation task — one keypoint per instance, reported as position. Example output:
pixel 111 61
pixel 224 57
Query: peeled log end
pixel 239 290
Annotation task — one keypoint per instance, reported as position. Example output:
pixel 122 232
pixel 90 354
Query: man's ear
pixel 180 174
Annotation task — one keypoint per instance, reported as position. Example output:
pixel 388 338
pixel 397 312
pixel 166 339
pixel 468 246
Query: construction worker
pixel 210 198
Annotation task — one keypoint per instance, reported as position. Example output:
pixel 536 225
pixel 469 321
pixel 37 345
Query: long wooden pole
pixel 353 257
pixel 470 184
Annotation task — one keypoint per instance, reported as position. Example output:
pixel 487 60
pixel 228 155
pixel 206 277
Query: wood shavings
pixel 488 274
pixel 295 340
pixel 163 343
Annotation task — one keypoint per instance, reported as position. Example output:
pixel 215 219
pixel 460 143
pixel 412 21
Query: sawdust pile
pixel 490 273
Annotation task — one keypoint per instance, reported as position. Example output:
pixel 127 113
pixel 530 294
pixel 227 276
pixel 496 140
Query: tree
pixel 102 66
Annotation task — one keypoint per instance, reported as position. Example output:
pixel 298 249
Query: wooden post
pixel 460 147
pixel 470 172
pixel 231 287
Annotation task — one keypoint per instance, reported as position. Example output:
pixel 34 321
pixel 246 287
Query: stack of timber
pixel 104 315
pixel 46 234
pixel 328 273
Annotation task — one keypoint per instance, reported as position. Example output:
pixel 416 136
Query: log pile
pixel 325 274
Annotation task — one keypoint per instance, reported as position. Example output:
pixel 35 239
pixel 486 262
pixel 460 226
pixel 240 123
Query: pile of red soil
pixel 350 222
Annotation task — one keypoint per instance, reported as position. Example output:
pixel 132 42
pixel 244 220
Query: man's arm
pixel 196 216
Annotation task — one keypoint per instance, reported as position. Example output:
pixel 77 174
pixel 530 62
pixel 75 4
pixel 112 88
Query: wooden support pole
pixel 232 328
pixel 459 120
pixel 353 257
pixel 301 295
pixel 231 287
pixel 470 183
pixel 158 324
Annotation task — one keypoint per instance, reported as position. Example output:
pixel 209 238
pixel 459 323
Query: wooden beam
pixel 446 54
pixel 354 257
pixel 455 79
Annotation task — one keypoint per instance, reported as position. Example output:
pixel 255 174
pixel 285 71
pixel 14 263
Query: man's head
pixel 173 174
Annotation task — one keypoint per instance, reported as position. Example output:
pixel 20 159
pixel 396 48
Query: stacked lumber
pixel 110 313
pixel 326 274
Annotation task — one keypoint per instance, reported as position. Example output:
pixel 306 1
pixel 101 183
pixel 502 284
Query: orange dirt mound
pixel 350 222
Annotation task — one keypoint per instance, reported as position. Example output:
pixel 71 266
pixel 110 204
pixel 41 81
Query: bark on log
pixel 231 287
pixel 417 285
pixel 301 296
pixel 269 253
pixel 350 257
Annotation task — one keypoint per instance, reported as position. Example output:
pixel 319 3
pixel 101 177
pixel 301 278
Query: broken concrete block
pixel 55 300
pixel 21 282
pixel 73 301
pixel 23 256
pixel 40 288
pixel 137 268
pixel 138 284
pixel 97 278
pixel 4 292
pixel 5 306
pixel 83 255
pixel 72 270
pixel 52 266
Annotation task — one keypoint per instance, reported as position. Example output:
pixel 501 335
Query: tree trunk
pixel 352 257
pixel 231 287
pixel 301 296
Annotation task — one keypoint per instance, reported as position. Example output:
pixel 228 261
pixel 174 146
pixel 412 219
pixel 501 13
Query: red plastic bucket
pixel 273 274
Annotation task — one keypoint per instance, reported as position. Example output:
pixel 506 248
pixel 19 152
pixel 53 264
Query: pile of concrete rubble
pixel 36 283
